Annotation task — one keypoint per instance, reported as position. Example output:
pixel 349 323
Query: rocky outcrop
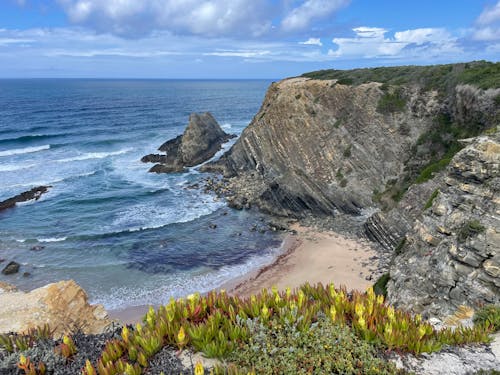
pixel 33 194
pixel 202 138
pixel 63 305
pixel 452 254
pixel 11 268
pixel 321 146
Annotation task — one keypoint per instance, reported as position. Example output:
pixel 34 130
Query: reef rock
pixel 451 256
pixel 34 193
pixel 63 305
pixel 200 141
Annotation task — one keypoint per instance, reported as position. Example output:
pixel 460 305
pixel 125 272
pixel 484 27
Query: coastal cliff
pixel 377 142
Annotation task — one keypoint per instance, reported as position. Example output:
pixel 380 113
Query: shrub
pixel 392 102
pixel 399 248
pixel 488 315
pixel 348 151
pixel 469 229
pixel 326 348
pixel 380 286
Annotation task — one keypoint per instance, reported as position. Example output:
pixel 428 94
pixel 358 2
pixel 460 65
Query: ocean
pixel 128 237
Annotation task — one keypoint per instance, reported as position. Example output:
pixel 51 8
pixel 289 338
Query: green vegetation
pixel 399 248
pixel 436 77
pixel 380 286
pixel 282 349
pixel 469 229
pixel 313 329
pixel 433 196
pixel 392 102
pixel 348 151
pixel 489 316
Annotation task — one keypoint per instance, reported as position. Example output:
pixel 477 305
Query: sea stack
pixel 200 141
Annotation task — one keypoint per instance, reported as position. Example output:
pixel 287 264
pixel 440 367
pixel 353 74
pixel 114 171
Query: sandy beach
pixel 308 256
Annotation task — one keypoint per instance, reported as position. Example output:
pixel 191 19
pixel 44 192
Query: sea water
pixel 127 236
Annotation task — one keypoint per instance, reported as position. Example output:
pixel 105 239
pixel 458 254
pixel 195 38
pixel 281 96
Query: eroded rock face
pixel 452 255
pixel 63 305
pixel 320 146
pixel 202 138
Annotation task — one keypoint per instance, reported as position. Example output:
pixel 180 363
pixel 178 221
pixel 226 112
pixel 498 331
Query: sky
pixel 238 38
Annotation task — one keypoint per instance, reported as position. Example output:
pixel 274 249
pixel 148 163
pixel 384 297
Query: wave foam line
pixel 95 155
pixel 26 150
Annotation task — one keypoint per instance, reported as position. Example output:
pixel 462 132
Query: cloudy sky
pixel 238 38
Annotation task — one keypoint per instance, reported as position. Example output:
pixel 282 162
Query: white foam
pixel 226 126
pixel 95 155
pixel 52 239
pixel 13 167
pixel 26 150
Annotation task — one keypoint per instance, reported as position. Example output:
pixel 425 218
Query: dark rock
pixel 11 268
pixel 2 260
pixel 37 248
pixel 26 274
pixel 34 193
pixel 212 226
pixel 154 158
pixel 202 138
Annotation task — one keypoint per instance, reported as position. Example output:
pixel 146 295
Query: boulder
pixel 200 141
pixel 62 305
pixel 34 193
pixel 11 268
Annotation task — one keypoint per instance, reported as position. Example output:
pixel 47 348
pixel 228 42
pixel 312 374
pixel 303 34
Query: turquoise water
pixel 127 236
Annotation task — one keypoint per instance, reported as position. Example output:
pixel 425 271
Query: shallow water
pixel 127 236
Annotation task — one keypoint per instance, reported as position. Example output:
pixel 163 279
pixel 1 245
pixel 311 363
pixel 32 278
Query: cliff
pixel 352 142
pixel 451 256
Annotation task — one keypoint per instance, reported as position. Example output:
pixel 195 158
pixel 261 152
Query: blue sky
pixel 238 38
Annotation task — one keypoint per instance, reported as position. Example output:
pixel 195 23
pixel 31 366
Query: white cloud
pixel 490 15
pixel 312 42
pixel 372 42
pixel 239 53
pixel 136 18
pixel 303 15
pixel 488 24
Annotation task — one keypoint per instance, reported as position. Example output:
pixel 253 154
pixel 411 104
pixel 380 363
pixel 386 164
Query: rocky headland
pixel 200 141
pixel 382 144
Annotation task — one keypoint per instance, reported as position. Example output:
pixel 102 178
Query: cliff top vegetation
pixel 482 74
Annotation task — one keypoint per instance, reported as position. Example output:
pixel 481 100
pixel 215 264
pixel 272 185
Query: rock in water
pixel 11 268
pixel 63 305
pixel 34 193
pixel 202 138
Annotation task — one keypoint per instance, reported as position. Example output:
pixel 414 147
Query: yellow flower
pixel 181 336
pixel 333 312
pixel 198 369
pixel 388 328
pixel 301 298
pixel 265 312
pixel 421 331
pixel 370 293
pixel 390 312
pixel 66 340
pixel 360 309
pixel 418 318
pixel 362 322
pixel 22 360
pixel 288 292
pixel 125 334
pixel 332 290
pixel 380 299
pixel 138 327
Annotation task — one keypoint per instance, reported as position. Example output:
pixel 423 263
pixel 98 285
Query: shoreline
pixel 308 255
